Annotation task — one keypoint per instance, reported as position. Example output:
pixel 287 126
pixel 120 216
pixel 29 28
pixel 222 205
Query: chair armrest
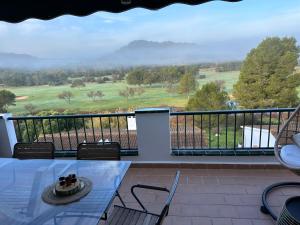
pixel 142 186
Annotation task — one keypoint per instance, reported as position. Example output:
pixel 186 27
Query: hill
pixel 141 52
pixel 13 60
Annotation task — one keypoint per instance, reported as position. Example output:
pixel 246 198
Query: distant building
pixel 131 123
pixel 260 137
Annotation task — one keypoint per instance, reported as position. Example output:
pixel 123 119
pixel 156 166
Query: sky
pixel 239 26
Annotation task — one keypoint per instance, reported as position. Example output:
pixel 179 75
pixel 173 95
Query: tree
pixel 211 96
pixel 7 98
pixel 127 92
pixel 170 76
pixel 139 90
pixel 77 83
pixel 136 76
pixel 100 80
pixel 95 94
pixel 267 77
pixel 30 108
pixel 187 84
pixel 66 95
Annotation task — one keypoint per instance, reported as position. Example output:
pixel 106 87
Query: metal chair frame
pixel 290 127
pixel 165 210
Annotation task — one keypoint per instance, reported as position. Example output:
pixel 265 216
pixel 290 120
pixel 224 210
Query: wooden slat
pixel 128 220
pixel 36 150
pixel 125 216
pixel 147 220
pixel 153 220
pixel 141 219
pixel 99 151
pixel 114 215
pixel 136 217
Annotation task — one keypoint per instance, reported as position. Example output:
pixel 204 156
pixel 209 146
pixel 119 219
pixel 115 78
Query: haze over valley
pixel 135 53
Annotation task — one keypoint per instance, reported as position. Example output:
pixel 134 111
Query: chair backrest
pixel 99 151
pixel 165 210
pixel 289 127
pixel 35 150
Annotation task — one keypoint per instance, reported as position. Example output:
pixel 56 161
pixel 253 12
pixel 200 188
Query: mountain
pixel 137 53
pixel 143 52
pixel 13 60
pixel 26 61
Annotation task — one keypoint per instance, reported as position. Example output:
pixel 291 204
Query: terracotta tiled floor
pixel 211 196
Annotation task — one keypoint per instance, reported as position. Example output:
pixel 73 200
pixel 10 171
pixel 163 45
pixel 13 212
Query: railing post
pixel 153 134
pixel 8 136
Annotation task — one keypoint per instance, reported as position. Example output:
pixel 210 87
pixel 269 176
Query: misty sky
pixel 228 25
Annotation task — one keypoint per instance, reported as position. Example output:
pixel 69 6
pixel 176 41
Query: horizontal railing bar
pixel 233 111
pixel 172 113
pixel 69 116
pixel 223 149
pixel 221 153
pixel 73 153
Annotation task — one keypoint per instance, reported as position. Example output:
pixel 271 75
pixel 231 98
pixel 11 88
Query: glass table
pixel 23 181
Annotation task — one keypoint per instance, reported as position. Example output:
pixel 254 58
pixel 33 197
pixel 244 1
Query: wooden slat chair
pixel 101 151
pixel 127 216
pixel 35 150
pixel 288 155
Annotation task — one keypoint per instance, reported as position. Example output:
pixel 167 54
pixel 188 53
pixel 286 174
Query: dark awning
pixel 18 10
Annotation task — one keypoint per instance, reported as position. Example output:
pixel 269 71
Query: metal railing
pixel 226 132
pixel 67 131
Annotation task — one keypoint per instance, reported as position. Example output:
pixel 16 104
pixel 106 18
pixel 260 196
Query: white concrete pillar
pixel 8 136
pixel 153 134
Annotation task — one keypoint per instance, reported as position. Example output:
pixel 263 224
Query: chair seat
pixel 122 216
pixel 290 154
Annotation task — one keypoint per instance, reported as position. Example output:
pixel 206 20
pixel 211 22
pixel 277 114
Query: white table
pixel 23 181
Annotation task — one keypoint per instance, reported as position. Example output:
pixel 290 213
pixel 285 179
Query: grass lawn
pixel 230 138
pixel 230 78
pixel 45 97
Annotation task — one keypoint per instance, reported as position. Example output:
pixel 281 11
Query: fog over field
pixel 136 53
pixel 179 34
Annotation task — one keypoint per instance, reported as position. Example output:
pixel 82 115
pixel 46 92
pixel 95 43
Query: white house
pixel 264 134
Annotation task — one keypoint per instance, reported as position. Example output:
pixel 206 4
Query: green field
pixel 45 97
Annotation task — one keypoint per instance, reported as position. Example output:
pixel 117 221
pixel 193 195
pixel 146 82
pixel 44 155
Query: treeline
pixel 136 75
pixel 17 77
pixel 152 75
pixel 172 74
pixel 229 66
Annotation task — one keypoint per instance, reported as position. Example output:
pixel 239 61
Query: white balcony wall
pixel 7 136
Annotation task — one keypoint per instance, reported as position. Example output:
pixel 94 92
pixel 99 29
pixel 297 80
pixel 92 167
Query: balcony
pixel 225 157
pixel 158 135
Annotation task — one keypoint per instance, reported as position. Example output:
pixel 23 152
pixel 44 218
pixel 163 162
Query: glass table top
pixel 23 181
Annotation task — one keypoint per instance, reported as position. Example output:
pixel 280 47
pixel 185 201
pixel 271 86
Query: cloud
pixel 112 17
pixel 209 28
pixel 3 28
pixel 29 26
pixel 108 21
pixel 100 33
